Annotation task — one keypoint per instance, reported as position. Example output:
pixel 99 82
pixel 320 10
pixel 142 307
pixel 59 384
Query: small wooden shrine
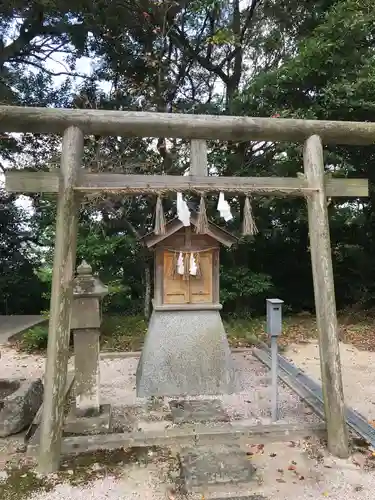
pixel 186 351
pixel 187 265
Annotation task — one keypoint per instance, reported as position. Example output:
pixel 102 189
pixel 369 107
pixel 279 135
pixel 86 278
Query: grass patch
pixel 245 332
pixel 127 333
pixel 34 339
pixel 123 333
pixel 22 481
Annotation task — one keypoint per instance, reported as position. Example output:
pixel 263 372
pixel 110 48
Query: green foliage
pixel 242 290
pixel 21 291
pixel 35 339
pixel 44 274
pixel 207 56
pixel 123 333
pixel 245 332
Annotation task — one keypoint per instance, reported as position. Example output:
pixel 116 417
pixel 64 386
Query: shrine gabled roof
pixel 217 233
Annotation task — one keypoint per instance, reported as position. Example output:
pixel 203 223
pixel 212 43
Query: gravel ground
pixel 308 477
pixel 139 484
pixel 357 372
pixel 15 365
pixel 251 403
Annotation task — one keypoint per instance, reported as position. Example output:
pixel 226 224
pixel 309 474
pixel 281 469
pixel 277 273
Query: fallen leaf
pixel 256 449
pixel 172 495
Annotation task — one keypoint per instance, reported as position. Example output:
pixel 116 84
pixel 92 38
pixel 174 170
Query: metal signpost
pixel 274 329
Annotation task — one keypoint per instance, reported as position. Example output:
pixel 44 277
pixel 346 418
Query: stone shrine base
pixel 204 469
pixel 186 352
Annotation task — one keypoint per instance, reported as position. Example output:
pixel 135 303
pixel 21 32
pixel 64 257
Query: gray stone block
pixel 186 411
pixel 185 353
pixel 97 423
pixel 203 467
pixel 20 400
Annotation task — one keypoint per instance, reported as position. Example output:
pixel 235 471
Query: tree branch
pixel 52 73
pixel 29 29
pixel 245 27
pixel 181 41
pixel 249 18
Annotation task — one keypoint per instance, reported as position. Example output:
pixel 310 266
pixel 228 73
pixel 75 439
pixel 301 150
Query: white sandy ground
pixel 15 365
pixel 250 403
pixel 322 478
pixel 358 373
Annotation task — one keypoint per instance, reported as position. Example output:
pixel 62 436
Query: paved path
pixel 11 325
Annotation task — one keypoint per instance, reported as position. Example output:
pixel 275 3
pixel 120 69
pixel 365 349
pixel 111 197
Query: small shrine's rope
pixel 173 250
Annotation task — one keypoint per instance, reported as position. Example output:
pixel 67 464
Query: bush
pixel 243 292
pixel 35 339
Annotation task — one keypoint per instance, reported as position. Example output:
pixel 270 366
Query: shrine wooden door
pixel 175 288
pixel 200 290
pixel 194 289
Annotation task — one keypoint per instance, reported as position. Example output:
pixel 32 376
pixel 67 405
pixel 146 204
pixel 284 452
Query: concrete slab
pixel 12 325
pixel 127 418
pixel 89 424
pixel 203 468
pixel 185 411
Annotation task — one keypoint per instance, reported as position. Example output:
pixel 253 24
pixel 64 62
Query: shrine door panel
pixel 175 288
pixel 200 290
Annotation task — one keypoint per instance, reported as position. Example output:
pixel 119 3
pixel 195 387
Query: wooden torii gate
pixel 72 181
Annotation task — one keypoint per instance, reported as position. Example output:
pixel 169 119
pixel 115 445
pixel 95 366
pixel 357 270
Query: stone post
pixel 88 292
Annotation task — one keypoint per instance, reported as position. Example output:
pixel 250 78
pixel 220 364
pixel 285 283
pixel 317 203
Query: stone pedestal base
pixel 206 469
pixel 86 365
pixel 185 353
pixel 97 423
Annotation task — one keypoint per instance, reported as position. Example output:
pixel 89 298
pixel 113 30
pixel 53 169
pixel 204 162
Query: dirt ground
pixel 299 470
pixel 358 373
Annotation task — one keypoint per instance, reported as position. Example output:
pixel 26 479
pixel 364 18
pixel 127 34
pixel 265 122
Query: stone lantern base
pixel 186 352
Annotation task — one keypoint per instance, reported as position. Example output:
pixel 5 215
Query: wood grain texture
pixel 48 182
pixel 325 304
pixel 61 304
pixel 146 124
pixel 202 434
pixel 38 417
pixel 215 234
pixel 216 276
pixel 158 277
pixel 175 288
pixel 200 291
pixel 198 158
